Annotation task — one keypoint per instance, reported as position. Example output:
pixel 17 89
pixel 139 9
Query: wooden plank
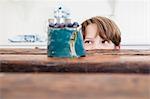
pixel 23 51
pixel 38 51
pixel 96 61
pixel 74 86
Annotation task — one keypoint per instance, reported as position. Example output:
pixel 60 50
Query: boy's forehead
pixel 91 30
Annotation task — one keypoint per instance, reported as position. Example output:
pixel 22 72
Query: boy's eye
pixel 88 42
pixel 103 41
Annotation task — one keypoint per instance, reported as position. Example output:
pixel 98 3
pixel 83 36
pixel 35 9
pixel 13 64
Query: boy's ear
pixel 117 47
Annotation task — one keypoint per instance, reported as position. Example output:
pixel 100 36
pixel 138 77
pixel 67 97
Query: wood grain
pixel 74 86
pixel 105 61
pixel 38 51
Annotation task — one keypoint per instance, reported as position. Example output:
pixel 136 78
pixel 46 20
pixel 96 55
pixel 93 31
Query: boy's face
pixel 93 40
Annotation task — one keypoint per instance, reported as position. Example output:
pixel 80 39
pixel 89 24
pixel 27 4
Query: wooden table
pixel 102 74
pixel 74 86
pixel 106 61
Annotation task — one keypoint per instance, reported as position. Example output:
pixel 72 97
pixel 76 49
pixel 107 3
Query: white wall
pixel 23 17
pixel 30 16
pixel 133 18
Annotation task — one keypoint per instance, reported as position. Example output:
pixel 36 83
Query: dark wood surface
pixel 38 51
pixel 102 74
pixel 105 61
pixel 74 86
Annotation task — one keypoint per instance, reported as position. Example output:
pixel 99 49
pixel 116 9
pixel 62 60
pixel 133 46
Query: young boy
pixel 100 33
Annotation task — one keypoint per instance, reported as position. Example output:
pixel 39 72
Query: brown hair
pixel 107 29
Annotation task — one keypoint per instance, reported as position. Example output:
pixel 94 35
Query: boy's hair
pixel 107 29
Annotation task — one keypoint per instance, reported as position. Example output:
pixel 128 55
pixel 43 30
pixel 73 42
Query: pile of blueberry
pixel 63 25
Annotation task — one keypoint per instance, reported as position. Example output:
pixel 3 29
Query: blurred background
pixel 30 17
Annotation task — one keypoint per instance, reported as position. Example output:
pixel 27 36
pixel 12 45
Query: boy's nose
pixel 87 46
pixel 90 46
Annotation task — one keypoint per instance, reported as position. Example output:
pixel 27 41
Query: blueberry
pixel 62 25
pixel 51 24
pixel 75 24
pixel 69 25
pixel 57 25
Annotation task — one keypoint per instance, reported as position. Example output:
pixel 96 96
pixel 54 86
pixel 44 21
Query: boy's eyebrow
pixel 89 39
